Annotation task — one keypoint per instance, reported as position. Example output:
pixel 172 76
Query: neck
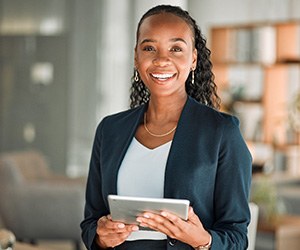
pixel 165 108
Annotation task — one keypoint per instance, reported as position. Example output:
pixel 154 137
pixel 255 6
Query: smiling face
pixel 165 54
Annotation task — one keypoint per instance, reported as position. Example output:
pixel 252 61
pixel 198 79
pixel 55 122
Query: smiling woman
pixel 172 143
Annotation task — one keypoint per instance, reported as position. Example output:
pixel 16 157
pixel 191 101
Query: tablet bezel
pixel 127 208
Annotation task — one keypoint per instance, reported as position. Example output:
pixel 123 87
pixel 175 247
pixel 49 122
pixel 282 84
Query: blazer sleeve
pixel 232 187
pixel 94 205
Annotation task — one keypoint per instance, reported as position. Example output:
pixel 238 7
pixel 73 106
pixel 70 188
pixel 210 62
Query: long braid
pixel 204 89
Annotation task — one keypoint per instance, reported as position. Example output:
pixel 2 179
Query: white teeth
pixel 162 76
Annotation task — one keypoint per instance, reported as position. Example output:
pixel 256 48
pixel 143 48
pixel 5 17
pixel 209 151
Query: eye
pixel 148 48
pixel 176 49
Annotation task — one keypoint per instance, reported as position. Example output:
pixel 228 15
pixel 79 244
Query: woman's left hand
pixel 191 231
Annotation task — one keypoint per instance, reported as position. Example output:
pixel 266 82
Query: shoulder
pixel 124 114
pixel 222 128
pixel 212 117
pixel 123 118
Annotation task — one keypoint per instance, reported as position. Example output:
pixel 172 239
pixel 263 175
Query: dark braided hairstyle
pixel 204 90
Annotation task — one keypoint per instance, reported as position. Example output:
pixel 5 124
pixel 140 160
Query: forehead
pixel 164 22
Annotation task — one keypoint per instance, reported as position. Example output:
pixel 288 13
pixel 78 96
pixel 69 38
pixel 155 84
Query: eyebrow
pixel 178 40
pixel 172 40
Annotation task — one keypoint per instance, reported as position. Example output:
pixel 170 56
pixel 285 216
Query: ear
pixel 195 56
pixel 135 59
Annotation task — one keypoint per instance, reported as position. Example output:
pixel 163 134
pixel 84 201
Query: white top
pixel 142 174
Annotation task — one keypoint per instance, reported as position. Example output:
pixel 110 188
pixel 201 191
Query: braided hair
pixel 204 89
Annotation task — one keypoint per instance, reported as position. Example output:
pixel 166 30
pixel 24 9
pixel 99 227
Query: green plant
pixel 264 194
pixel 294 113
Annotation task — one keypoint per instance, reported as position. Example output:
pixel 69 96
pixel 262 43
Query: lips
pixel 162 76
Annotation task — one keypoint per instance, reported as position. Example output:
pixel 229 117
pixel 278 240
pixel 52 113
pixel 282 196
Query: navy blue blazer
pixel 208 164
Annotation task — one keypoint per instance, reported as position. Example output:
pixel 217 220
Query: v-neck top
pixel 142 174
pixel 142 171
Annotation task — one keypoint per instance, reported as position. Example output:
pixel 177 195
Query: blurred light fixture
pixel 29 133
pixel 42 73
pixel 51 26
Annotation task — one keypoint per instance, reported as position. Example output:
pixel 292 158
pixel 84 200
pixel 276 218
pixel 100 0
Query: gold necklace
pixel 156 135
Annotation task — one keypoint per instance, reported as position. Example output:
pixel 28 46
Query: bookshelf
pixel 257 70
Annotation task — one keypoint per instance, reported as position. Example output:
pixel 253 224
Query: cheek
pixel 142 66
pixel 186 60
pixel 142 69
pixel 142 62
pixel 185 65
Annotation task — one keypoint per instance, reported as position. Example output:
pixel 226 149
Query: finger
pixel 121 228
pixel 109 224
pixel 179 226
pixel 158 223
pixel 150 218
pixel 106 227
pixel 133 228
pixel 118 225
pixel 146 220
pixel 172 217
pixel 192 217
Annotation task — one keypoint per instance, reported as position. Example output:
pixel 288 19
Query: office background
pixel 65 64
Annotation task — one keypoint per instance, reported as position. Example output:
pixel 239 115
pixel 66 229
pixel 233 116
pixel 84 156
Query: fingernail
pixel 146 216
pixel 164 214
pixel 121 225
pixel 135 228
pixel 138 220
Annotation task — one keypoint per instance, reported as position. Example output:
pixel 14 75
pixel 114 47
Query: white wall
pixel 114 57
pixel 83 96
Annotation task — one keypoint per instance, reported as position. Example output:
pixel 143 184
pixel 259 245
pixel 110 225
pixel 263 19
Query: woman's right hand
pixel 111 233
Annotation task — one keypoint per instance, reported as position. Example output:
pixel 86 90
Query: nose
pixel 161 60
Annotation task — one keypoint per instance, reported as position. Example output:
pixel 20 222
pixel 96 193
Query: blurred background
pixel 65 64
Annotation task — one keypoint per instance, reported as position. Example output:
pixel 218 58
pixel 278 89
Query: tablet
pixel 125 209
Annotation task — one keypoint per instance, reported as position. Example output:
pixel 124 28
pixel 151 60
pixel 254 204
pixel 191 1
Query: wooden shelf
pixel 257 67
pixel 223 45
pixel 282 82
pixel 264 43
pixel 288 42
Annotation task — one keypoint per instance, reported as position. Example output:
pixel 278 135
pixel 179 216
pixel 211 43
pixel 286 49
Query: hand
pixel 190 231
pixel 111 233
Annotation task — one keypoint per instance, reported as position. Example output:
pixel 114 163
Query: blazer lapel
pixel 179 150
pixel 118 138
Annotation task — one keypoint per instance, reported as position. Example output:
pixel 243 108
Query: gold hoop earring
pixel 136 76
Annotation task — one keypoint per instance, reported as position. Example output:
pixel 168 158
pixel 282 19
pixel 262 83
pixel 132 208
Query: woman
pixel 172 143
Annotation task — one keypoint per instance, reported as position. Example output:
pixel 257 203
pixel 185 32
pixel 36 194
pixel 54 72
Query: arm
pixel 94 206
pixel 98 230
pixel 232 187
